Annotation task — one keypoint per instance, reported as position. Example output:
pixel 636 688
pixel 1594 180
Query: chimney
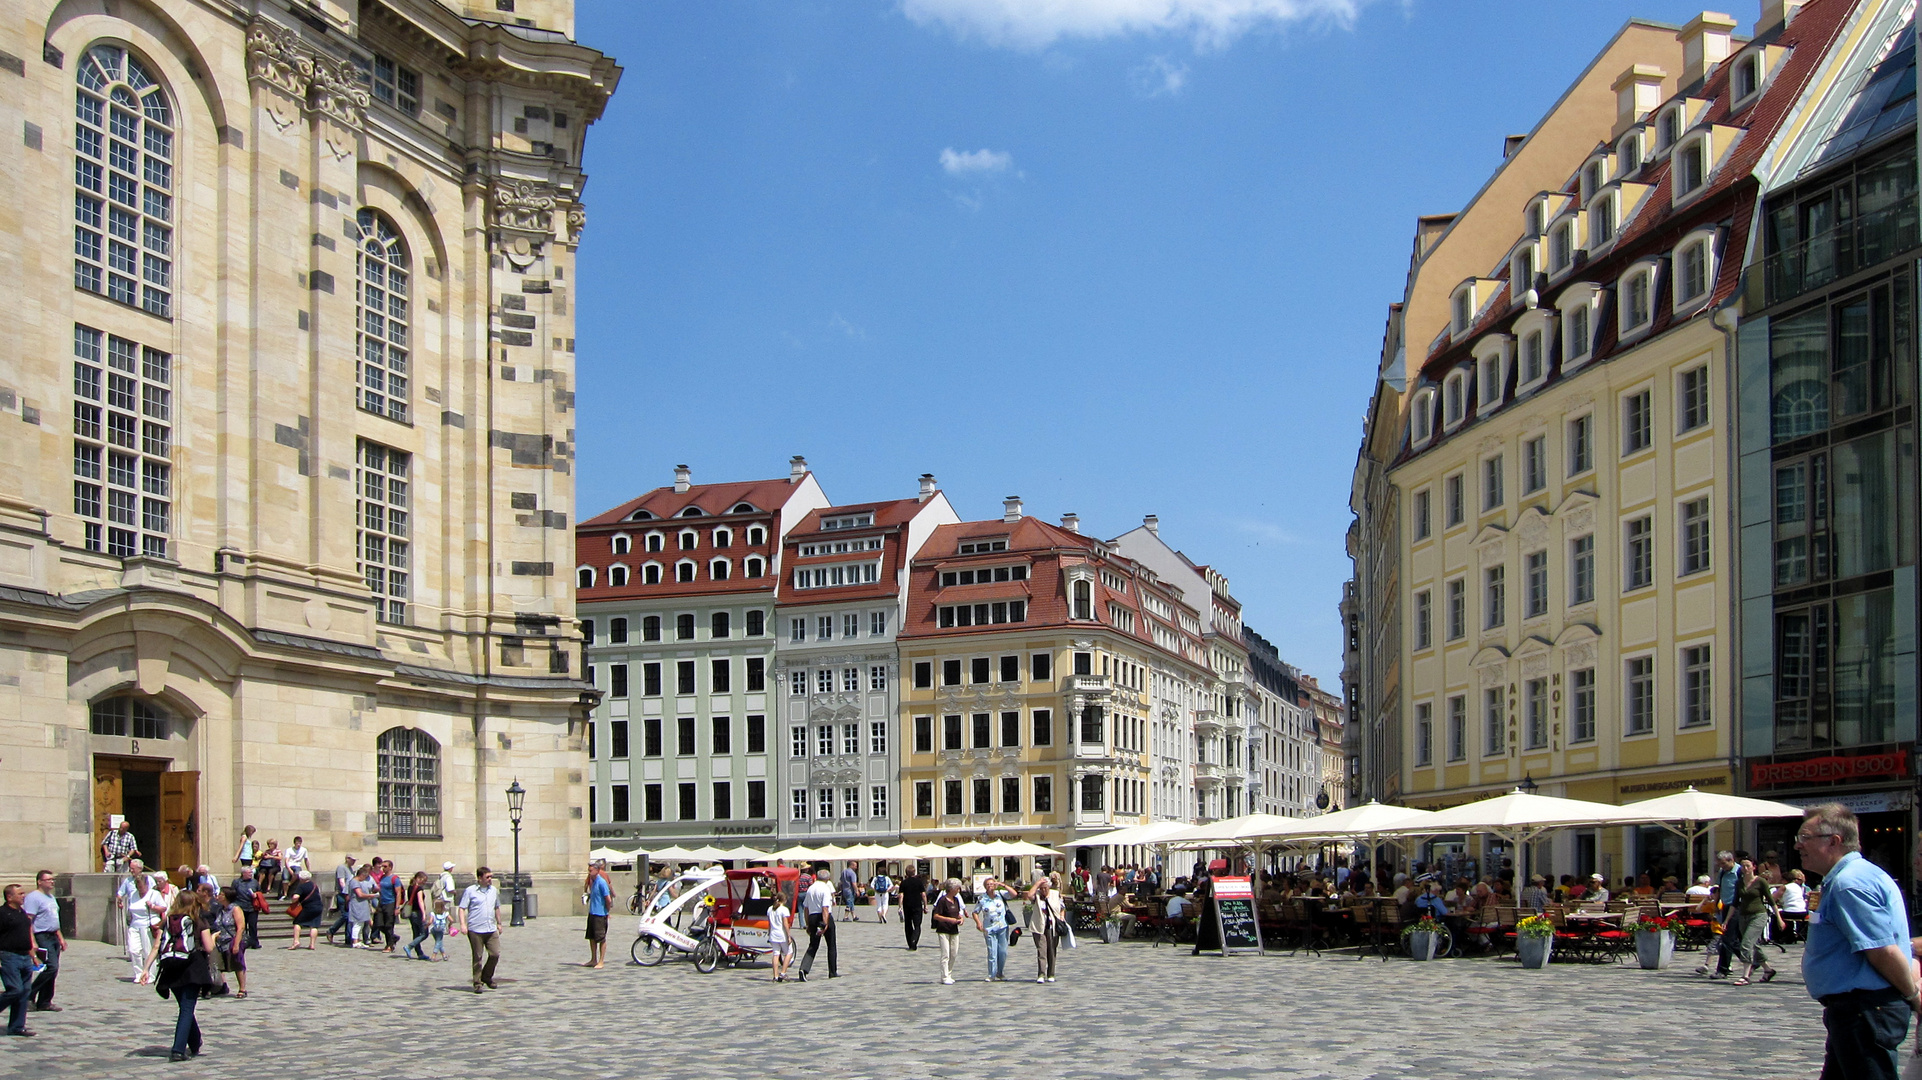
pixel 681 477
pixel 1705 43
pixel 1512 143
pixel 1011 509
pixel 1152 523
pixel 1637 92
pixel 1777 13
pixel 797 467
pixel 1071 522
pixel 928 487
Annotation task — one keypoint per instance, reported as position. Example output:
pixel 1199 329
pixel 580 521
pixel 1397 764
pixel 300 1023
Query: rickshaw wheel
pixel 707 956
pixel 648 951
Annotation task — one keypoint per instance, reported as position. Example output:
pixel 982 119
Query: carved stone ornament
pixel 1579 655
pixel 1580 518
pixel 1493 675
pixel 524 206
pixel 1535 666
pixel 1534 528
pixel 1492 553
pixel 277 56
pixel 576 220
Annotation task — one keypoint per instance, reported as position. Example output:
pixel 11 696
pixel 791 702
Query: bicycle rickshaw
pixel 681 901
pixel 738 929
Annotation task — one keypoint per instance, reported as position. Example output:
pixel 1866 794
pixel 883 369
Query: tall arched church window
pixel 122 444
pixel 380 317
pixel 123 170
pixel 409 776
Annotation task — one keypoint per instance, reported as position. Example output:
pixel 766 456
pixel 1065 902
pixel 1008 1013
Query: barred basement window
pixel 134 392
pixel 382 513
pixel 409 774
pixel 123 169
pixel 380 317
pixel 128 717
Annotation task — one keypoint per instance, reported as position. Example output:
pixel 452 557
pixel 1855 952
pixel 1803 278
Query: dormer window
pixel 692 511
pixel 640 515
pixel 756 536
pixel 1594 175
pixel 1521 273
pixel 584 577
pixel 1668 129
pixel 1534 358
pixel 651 574
pixel 1562 243
pixel 1628 152
pixel 1536 220
pixel 1691 166
pixel 1083 599
pixel 1454 399
pixel 742 508
pixel 622 544
pixel 1635 294
pixel 617 575
pixel 718 569
pixel 1601 220
pixel 723 538
pixel 1421 418
pixel 1464 308
pixel 1694 268
pixel 654 541
pixel 689 539
pixel 684 571
pixel 1491 371
pixel 1747 78
pixel 1577 305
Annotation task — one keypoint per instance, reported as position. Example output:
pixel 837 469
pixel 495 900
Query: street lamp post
pixel 516 800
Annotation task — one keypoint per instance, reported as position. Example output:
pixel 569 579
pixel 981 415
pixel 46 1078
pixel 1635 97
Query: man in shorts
pixel 599 894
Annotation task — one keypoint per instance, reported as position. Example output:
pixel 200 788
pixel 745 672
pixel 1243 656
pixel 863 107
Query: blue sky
pixel 1096 253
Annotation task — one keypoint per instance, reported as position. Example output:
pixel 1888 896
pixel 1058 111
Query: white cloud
pixel 1036 24
pixel 975 162
pixel 1159 77
pixel 840 322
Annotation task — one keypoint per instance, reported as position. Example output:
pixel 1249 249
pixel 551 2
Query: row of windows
pixel 850 626
pixel 986 669
pixel 685 571
pixel 1638 572
pixel 982 730
pixel 824 681
pixel 824 800
pixel 1695 709
pixel 842 574
pixel 832 740
pixel 983 791
pixel 687 802
pixel 984 575
pixel 1637 412
pixel 999 612
pixel 687 539
pixel 720 625
pixel 720 737
pixel 720 677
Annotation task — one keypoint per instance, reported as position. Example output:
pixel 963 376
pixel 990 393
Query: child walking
pixel 780 937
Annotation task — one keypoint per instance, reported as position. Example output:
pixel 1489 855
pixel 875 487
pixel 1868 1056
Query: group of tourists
pixel 370 900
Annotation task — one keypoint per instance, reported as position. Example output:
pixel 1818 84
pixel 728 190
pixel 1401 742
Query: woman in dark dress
pixel 183 961
pixel 312 909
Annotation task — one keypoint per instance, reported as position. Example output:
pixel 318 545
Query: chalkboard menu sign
pixel 1235 910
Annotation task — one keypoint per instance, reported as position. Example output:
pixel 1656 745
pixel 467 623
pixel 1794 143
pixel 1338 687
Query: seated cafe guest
pixel 1431 902
pixel 1535 896
pixel 1702 892
pixel 1597 890
pixel 1178 906
pixel 1644 885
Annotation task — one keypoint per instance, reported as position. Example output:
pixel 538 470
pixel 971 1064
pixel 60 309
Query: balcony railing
pixel 1833 255
pixel 1088 684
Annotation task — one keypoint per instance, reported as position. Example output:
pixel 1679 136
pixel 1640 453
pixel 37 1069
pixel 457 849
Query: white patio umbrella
pixel 867 851
pixel 709 853
pixel 1693 814
pixel 795 852
pixel 671 854
pixel 743 853
pixel 1154 832
pixel 973 849
pixel 611 855
pixel 1518 818
pixel 1369 819
pixel 1019 848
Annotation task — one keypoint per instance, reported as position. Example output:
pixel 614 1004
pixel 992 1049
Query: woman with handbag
pixel 307 909
pixel 1050 923
pixel 183 966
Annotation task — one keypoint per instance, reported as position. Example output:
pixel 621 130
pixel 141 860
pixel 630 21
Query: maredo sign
pixel 1832 769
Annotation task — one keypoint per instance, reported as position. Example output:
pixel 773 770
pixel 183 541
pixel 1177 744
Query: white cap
pixel 446 866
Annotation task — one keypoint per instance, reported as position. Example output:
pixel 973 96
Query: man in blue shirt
pixel 1856 962
pixel 599 893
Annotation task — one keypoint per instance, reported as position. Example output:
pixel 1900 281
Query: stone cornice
pixel 277 56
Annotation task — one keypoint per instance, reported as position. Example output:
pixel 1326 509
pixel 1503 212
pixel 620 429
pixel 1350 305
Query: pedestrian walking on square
pixel 850 889
pixel 817 905
pixel 1752 897
pixel 230 938
pixel 882 887
pixel 1720 952
pixel 780 936
pixel 343 893
pixel 914 900
pixel 363 894
pixel 183 966
pixel 17 950
pixel 387 913
pixel 47 936
pixel 991 917
pixel 600 898
pixel 1858 959
pixel 310 908
pixel 479 911
pixel 118 848
pixel 1050 919
pixel 420 913
pixel 247 888
pixel 947 927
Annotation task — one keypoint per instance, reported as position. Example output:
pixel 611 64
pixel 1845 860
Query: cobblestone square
pixel 1122 1010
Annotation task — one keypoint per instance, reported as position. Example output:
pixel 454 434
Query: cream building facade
pixel 1568 552
pixel 289 425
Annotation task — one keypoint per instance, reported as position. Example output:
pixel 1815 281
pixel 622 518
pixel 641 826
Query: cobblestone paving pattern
pixel 1118 1011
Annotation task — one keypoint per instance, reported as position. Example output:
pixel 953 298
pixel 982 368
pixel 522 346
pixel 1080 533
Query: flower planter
pixel 1110 932
pixel 1534 951
pixel 1654 948
pixel 1422 944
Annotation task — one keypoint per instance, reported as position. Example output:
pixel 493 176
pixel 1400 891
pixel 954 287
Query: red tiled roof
pixel 890 520
pixel 1727 200
pixel 594 539
pixel 714 500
